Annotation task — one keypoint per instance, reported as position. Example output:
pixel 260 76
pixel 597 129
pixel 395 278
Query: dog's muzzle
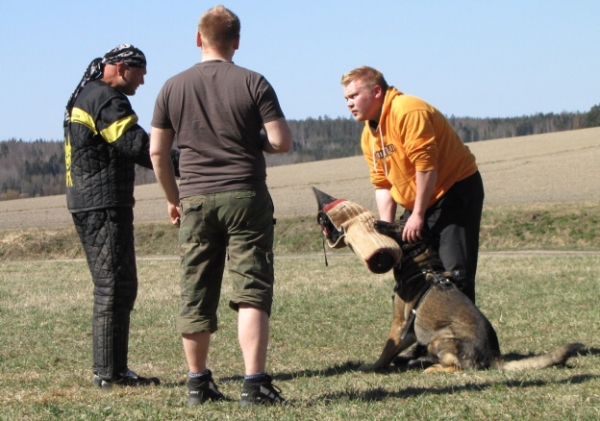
pixel 345 223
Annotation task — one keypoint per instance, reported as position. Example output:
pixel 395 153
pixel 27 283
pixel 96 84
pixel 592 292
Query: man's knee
pixel 466 286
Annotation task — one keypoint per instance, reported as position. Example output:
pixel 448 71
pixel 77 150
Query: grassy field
pixel 326 322
pixel 548 226
pixel 537 282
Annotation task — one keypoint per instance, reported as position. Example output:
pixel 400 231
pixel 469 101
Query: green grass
pixel 504 227
pixel 541 226
pixel 326 322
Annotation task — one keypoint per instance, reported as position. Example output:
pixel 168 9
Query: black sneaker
pixel 263 393
pixel 202 389
pixel 129 378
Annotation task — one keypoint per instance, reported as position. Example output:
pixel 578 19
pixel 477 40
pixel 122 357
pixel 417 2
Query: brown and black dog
pixel 430 310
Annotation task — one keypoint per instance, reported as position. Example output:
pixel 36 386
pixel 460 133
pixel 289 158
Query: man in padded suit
pixel 103 142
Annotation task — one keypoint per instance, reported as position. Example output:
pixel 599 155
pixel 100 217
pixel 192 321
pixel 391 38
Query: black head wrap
pixel 125 53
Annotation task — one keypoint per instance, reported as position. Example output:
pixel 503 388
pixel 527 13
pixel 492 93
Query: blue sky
pixel 478 58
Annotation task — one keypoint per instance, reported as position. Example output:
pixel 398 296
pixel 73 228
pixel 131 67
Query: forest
pixel 33 169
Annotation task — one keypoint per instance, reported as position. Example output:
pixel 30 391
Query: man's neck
pixel 212 55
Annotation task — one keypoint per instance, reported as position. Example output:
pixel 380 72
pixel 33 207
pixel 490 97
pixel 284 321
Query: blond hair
pixel 219 27
pixel 370 76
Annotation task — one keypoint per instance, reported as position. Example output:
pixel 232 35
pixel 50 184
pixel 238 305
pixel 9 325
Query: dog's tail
pixel 557 357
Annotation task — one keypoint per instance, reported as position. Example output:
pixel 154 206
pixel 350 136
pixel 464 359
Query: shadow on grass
pixel 380 394
pixel 352 366
pixel 377 394
pixel 590 351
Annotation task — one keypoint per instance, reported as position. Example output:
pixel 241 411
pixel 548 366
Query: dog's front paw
pixel 366 368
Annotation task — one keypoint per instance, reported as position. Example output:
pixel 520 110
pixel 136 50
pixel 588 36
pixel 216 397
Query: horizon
pixel 324 117
pixel 468 59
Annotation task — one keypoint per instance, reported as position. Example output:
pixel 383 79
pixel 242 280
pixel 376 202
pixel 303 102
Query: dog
pixel 429 309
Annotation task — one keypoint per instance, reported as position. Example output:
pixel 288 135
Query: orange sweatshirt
pixel 413 136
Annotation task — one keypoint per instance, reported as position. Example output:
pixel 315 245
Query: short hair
pixel 219 27
pixel 367 74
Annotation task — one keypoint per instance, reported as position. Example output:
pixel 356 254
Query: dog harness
pixel 440 278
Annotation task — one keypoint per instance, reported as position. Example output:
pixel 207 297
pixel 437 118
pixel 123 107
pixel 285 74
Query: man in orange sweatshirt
pixel 417 160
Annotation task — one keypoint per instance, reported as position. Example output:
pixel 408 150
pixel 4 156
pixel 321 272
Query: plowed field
pixel 559 167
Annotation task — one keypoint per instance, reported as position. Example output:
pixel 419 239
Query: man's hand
pixel 175 214
pixel 413 228
pixel 416 221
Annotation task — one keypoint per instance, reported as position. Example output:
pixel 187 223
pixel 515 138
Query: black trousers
pixel 455 220
pixel 108 242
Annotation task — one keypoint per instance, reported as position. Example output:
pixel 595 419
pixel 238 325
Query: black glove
pixel 175 160
pixel 391 229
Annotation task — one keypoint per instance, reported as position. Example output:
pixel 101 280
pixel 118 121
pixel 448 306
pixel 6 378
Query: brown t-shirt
pixel 217 110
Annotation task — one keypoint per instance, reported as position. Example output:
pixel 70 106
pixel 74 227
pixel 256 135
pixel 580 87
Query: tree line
pixel 32 169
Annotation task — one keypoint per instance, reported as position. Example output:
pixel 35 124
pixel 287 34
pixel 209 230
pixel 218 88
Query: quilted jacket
pixel 103 142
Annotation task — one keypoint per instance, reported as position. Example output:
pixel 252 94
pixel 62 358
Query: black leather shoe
pixel 129 378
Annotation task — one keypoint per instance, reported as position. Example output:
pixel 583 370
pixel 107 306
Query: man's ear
pixel 121 67
pixel 377 91
pixel 236 43
pixel 198 39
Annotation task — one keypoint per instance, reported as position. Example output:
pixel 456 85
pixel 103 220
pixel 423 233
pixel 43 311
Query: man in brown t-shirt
pixel 218 111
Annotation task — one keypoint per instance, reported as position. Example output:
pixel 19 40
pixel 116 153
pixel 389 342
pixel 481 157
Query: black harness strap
pixel 441 278
pixel 325 252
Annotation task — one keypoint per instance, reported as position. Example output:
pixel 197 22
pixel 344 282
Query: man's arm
pixel 425 186
pixel 118 125
pixel 279 136
pixel 161 141
pixel 386 205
